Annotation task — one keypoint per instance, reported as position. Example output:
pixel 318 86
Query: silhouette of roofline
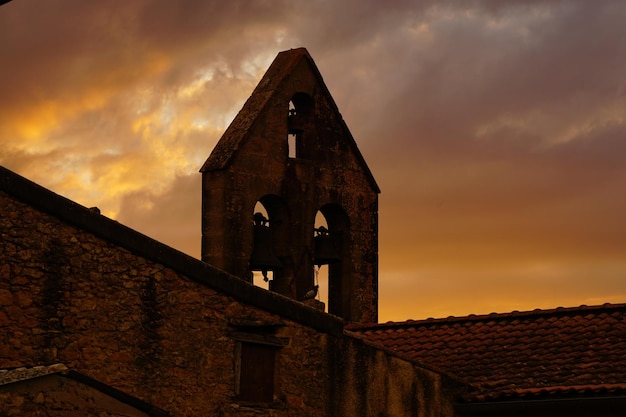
pixel 237 131
pixel 554 312
pixel 16 375
pixel 112 231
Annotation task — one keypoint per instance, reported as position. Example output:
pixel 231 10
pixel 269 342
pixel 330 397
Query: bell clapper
pixel 317 284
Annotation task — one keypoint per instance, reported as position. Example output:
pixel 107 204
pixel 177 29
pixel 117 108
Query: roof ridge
pixel 579 387
pixel 275 77
pixel 235 133
pixel 491 316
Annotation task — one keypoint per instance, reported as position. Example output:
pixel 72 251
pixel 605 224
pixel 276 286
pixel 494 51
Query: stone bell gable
pixel 290 150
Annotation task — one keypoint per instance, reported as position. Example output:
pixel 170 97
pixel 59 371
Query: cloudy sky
pixel 496 130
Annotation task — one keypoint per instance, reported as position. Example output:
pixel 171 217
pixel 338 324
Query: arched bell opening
pixel 332 253
pixel 270 261
pixel 299 113
pixel 263 261
pixel 322 249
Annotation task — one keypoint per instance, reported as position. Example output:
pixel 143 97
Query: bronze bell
pixel 325 251
pixel 263 258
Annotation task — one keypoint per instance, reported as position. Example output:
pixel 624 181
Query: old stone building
pixel 97 319
pixel 290 150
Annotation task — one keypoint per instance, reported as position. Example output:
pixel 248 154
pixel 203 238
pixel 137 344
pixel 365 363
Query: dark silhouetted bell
pixel 325 251
pixel 295 122
pixel 263 258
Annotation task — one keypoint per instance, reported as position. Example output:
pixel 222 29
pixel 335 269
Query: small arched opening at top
pixel 270 262
pixel 299 114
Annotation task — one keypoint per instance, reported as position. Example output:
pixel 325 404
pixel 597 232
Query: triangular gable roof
pixel 278 72
pixel 558 352
pixel 16 375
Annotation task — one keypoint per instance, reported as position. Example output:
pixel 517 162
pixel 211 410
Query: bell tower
pixel 289 150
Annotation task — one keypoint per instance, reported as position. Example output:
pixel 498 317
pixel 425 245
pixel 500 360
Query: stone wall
pixel 80 289
pixel 68 296
pixel 369 381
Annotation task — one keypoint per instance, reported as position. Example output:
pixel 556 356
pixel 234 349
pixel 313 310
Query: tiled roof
pixel 562 351
pixel 10 376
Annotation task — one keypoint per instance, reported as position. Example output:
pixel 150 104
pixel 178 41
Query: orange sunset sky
pixel 496 130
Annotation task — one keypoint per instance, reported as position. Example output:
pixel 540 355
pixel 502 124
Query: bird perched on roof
pixel 310 294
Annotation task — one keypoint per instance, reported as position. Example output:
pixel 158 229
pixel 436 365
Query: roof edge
pixel 608 406
pixel 557 391
pixel 493 316
pixel 353 144
pixel 379 346
pixel 229 143
pixel 11 376
pixel 121 396
pixel 112 231
pixel 276 73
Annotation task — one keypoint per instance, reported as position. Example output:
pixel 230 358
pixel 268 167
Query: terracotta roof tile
pixel 540 352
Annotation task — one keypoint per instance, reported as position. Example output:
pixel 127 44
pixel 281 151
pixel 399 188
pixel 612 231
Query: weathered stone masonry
pixel 327 173
pixel 83 290
pixel 69 296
